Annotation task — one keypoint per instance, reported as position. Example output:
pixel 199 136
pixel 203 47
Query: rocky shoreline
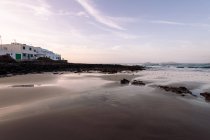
pixel 7 69
pixel 183 91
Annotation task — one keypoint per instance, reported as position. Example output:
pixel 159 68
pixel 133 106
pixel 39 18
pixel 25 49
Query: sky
pixel 111 31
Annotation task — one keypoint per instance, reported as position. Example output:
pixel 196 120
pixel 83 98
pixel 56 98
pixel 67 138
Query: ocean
pixel 179 66
pixel 195 77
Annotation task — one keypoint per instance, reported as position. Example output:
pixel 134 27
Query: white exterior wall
pixel 49 54
pixel 27 52
pixel 6 50
pixel 57 57
pixel 2 52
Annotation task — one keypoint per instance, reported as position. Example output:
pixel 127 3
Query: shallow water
pixel 196 81
pixel 85 106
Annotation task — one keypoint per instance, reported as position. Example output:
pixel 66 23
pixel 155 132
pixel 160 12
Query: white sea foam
pixel 196 80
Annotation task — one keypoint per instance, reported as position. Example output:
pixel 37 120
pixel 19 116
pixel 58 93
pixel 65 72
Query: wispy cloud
pixel 82 14
pixel 98 16
pixel 41 8
pixel 118 34
pixel 167 22
pixel 62 12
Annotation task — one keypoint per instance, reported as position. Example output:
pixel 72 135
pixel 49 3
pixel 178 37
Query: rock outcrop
pixel 206 95
pixel 177 90
pixel 138 83
pixel 24 67
pixel 124 81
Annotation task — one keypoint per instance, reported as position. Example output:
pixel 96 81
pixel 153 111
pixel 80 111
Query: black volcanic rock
pixel 177 90
pixel 6 59
pixel 206 95
pixel 29 85
pixel 124 81
pixel 39 66
pixel 138 83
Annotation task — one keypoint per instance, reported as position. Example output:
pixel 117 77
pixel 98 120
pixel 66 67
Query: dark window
pixel 30 49
pixel 34 50
pixel 24 54
pixel 32 55
pixel 24 48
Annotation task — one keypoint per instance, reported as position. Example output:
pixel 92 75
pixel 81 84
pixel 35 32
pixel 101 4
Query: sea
pixel 178 66
pixel 195 77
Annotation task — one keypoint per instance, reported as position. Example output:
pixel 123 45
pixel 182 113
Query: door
pixel 18 56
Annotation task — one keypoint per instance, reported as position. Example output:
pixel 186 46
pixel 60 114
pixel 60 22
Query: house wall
pixel 26 52
pixel 6 50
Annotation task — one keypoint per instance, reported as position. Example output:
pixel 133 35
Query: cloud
pixel 64 13
pixel 118 34
pixel 82 14
pixel 98 16
pixel 126 19
pixel 167 22
pixel 42 8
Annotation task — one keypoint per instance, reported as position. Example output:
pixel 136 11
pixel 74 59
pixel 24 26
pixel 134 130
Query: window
pixel 24 55
pixel 24 47
pixel 32 55
pixel 30 49
pixel 34 50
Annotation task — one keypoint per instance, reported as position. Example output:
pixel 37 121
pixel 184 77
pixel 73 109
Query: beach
pixel 95 106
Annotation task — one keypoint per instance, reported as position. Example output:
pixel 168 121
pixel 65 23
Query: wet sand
pixel 85 106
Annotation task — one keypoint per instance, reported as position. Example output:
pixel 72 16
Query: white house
pixel 26 52
pixel 46 53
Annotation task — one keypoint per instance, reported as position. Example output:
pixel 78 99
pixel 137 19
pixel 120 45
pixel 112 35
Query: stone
pixel 124 81
pixel 177 90
pixel 206 95
pixel 138 83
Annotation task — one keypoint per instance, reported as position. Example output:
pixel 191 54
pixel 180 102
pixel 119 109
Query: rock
pixel 206 95
pixel 177 90
pixel 23 85
pixel 124 81
pixel 57 73
pixel 6 59
pixel 138 83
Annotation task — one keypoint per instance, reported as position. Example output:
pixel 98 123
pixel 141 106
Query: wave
pixel 179 65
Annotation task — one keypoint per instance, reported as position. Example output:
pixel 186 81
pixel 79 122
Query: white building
pixel 26 52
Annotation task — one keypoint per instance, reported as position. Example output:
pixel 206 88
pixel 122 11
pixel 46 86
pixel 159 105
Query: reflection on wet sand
pixel 82 107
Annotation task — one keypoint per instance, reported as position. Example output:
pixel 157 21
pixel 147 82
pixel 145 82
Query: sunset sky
pixel 111 31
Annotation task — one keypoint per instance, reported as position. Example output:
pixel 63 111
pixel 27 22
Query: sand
pixel 85 106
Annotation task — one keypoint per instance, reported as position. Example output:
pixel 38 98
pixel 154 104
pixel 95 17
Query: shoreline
pixel 88 106
pixel 21 68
